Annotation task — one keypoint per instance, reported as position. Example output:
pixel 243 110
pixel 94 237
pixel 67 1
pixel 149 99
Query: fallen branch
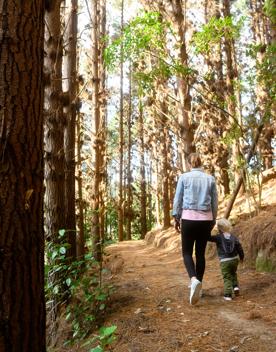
pixel 240 180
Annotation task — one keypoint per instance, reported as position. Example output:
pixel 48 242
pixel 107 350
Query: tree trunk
pixel 157 190
pixel 54 128
pixel 121 140
pixel 150 197
pixel 54 148
pixel 70 128
pixel 80 219
pixel 96 138
pixel 185 145
pixel 129 174
pixel 220 155
pixel 164 158
pixel 165 180
pixel 143 197
pixel 259 29
pixel 22 306
pixel 231 76
pixel 103 116
pixel 176 11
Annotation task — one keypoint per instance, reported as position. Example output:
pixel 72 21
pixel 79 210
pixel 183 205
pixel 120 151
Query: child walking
pixel 229 252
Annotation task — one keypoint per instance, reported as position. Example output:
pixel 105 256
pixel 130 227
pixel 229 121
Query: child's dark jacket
pixel 227 248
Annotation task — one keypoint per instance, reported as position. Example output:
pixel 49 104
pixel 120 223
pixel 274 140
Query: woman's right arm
pixel 214 200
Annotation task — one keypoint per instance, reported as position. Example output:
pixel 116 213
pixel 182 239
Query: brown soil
pixel 151 310
pixel 150 304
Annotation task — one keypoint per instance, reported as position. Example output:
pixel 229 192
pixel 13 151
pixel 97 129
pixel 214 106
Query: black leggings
pixel 195 232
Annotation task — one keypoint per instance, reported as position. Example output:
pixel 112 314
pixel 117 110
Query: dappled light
pixel 133 134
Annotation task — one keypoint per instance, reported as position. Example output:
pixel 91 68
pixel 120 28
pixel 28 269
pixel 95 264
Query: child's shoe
pixel 236 290
pixel 227 297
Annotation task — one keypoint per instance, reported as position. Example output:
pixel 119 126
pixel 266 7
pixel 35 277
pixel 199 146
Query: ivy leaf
pixel 96 349
pixel 107 331
pixel 62 250
pixel 54 254
pixel 61 232
pixel 68 281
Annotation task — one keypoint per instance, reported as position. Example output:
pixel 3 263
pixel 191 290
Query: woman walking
pixel 195 210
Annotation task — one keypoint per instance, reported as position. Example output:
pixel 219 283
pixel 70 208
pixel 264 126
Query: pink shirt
pixel 189 214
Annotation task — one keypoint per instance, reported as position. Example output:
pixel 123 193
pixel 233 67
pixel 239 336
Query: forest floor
pixel 150 304
pixel 151 310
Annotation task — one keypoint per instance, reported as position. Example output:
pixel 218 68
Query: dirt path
pixel 151 310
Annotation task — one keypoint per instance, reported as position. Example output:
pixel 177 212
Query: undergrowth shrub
pixel 77 289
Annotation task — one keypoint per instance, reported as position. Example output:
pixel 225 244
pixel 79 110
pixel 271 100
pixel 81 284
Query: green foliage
pixel 88 298
pixel 111 221
pixel 265 263
pixel 214 31
pixel 233 134
pixel 267 70
pixel 56 269
pixel 105 337
pixel 145 32
pixel 182 71
pixel 145 79
pixel 82 279
pixel 270 10
pixel 144 40
pixel 265 66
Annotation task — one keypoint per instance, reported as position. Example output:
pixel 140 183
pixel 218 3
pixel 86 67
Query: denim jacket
pixel 195 190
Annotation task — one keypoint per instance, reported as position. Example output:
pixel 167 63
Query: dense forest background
pixel 101 103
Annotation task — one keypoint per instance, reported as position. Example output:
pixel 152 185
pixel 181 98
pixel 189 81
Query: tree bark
pixel 143 196
pixel 96 138
pixel 231 75
pixel 103 117
pixel 121 140
pixel 129 173
pixel 185 145
pixel 70 128
pixel 80 219
pixel 175 10
pixel 157 188
pixel 54 150
pixel 219 156
pixel 22 306
pixel 54 128
pixel 165 163
pixel 259 29
pixel 150 197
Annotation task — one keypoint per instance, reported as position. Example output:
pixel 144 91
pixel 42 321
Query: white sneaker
pixel 227 298
pixel 236 290
pixel 195 291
